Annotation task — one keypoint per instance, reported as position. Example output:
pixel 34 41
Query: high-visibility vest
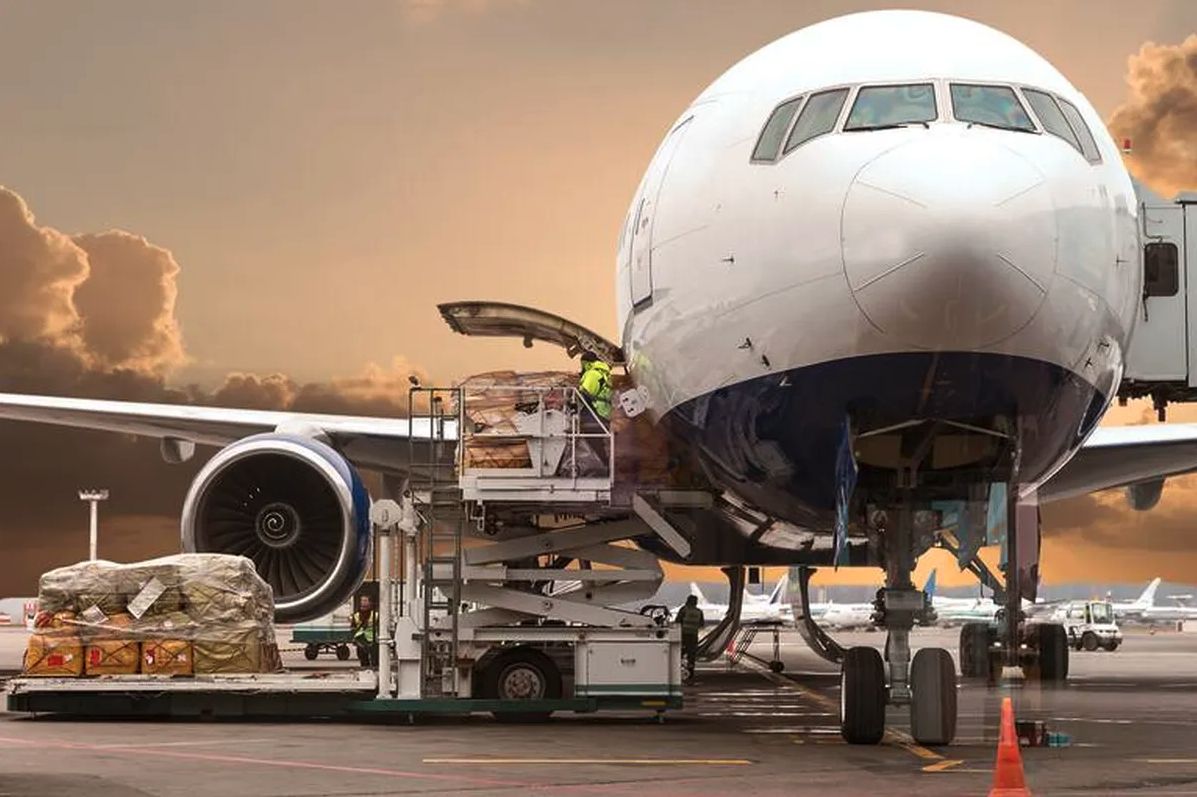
pixel 596 387
pixel 364 630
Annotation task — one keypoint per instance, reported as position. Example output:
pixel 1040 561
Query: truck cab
pixel 1090 625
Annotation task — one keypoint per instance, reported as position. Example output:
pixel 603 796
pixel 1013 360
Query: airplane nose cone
pixel 949 242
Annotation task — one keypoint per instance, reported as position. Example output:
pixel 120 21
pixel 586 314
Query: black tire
pixel 933 697
pixel 780 666
pixel 311 651
pixel 1052 644
pixel 862 696
pixel 521 674
pixel 1089 641
pixel 1112 645
pixel 342 653
pixel 974 650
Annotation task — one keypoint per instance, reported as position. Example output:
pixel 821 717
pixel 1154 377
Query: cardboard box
pixel 54 655
pixel 112 657
pixel 167 657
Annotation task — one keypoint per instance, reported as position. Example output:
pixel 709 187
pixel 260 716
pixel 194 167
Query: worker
pixel 690 618
pixel 364 623
pixel 595 387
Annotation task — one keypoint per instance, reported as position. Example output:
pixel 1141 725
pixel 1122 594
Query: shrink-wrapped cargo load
pixel 178 615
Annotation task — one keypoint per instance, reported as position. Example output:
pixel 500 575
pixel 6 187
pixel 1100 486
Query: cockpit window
pixel 775 130
pixel 1088 145
pixel 992 106
pixel 1050 116
pixel 880 107
pixel 818 117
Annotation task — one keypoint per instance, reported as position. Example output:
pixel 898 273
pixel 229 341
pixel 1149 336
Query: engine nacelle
pixel 1144 495
pixel 295 507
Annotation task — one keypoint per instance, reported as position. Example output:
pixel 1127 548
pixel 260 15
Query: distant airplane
pixel 755 609
pixel 1134 610
pixel 1143 609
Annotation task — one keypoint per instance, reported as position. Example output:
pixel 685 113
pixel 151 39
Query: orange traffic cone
pixel 1008 780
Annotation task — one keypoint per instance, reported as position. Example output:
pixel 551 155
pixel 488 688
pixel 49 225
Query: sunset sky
pixel 320 175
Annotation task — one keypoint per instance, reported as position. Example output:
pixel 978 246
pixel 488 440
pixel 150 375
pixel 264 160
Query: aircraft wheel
pixel 974 650
pixel 779 666
pixel 1089 641
pixel 933 697
pixel 1052 644
pixel 862 696
pixel 311 651
pixel 521 674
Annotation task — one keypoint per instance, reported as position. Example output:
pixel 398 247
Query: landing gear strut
pixel 927 685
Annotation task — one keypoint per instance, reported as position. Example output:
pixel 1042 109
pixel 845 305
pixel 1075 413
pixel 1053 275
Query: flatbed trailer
pixel 277 695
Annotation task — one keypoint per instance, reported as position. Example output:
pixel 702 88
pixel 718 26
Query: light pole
pixel 93 497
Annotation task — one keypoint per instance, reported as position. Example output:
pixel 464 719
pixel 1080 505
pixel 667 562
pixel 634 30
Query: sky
pixel 281 192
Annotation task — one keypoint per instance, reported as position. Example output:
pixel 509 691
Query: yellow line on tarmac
pixel 944 765
pixel 1167 760
pixel 647 761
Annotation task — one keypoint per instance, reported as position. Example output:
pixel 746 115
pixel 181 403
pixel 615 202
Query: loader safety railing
pixel 529 442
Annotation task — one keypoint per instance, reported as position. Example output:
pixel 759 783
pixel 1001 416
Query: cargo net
pixel 493 401
pixel 190 614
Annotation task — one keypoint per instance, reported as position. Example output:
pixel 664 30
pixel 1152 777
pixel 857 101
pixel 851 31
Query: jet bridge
pixel 1161 363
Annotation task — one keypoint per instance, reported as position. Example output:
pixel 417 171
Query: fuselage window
pixel 1161 269
pixel 818 117
pixel 775 130
pixel 1051 117
pixel 881 107
pixel 1088 145
pixel 992 106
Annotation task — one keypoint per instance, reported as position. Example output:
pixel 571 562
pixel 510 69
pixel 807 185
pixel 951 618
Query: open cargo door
pixel 501 320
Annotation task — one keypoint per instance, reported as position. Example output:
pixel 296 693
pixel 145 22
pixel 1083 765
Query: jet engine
pixel 295 507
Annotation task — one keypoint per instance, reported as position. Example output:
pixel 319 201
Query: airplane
pixel 1135 610
pixel 755 610
pixel 1143 609
pixel 889 261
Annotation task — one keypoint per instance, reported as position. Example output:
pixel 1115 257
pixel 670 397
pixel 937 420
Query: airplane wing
pixel 370 442
pixel 1115 456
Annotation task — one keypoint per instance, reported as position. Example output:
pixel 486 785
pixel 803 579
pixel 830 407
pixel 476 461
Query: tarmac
pixel 1132 716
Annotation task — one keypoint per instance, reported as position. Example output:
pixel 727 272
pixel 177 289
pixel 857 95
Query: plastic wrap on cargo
pixel 178 615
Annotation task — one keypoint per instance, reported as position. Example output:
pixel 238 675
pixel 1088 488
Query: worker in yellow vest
pixel 595 387
pixel 364 623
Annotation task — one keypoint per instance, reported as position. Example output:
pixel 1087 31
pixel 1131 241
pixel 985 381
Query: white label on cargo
pixel 149 593
pixel 94 615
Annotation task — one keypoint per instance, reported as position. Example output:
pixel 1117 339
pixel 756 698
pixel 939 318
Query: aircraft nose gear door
pixel 647 205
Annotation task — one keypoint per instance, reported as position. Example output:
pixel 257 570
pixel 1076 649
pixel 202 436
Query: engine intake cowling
pixel 295 507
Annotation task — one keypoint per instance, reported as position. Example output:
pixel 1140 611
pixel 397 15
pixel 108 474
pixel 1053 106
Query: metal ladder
pixel 433 482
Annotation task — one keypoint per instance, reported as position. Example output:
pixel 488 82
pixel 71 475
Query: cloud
pixel 40 268
pixel 127 303
pixel 1160 115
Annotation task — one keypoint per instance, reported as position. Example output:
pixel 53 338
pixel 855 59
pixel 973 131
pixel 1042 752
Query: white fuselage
pixel 943 269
